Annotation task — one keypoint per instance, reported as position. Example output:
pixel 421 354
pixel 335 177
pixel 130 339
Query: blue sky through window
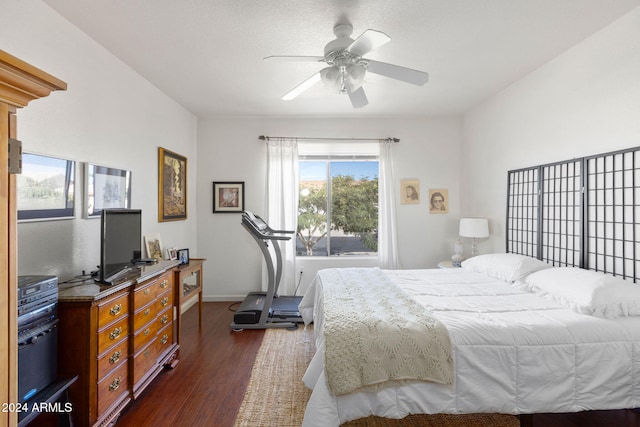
pixel 316 171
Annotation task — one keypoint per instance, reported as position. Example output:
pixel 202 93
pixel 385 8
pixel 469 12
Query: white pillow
pixel 509 267
pixel 587 291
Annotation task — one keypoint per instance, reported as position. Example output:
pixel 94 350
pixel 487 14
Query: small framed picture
pixel 409 191
pixel 228 197
pixel 172 254
pixel 438 201
pixel 183 256
pixel 153 245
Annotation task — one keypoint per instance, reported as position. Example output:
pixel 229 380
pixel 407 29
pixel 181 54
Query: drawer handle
pixel 146 352
pixel 146 312
pixel 164 283
pixel 115 384
pixel 147 291
pixel 116 356
pixel 164 319
pixel 146 332
pixel 164 339
pixel 164 301
pixel 115 310
pixel 115 334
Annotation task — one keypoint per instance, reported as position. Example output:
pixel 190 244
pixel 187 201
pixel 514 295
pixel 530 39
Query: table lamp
pixel 476 228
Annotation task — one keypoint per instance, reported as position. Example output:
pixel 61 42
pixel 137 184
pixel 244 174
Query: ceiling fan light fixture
pixel 355 74
pixel 330 77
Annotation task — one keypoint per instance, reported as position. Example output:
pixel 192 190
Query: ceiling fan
pixel 347 67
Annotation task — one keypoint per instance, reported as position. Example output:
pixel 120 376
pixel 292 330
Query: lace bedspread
pixel 375 332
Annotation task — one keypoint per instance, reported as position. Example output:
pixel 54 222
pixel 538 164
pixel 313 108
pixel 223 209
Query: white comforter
pixel 514 352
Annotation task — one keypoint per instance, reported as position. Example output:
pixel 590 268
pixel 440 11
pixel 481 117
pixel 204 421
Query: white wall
pixel 586 101
pixel 228 150
pixel 109 116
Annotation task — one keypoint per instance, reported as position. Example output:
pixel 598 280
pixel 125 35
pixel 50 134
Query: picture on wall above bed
pixel 105 188
pixel 228 197
pixel 45 188
pixel 438 201
pixel 409 191
pixel 172 186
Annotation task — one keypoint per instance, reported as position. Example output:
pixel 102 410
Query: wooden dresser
pixel 117 339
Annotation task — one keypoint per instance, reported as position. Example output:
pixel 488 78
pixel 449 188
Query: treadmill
pixel 262 310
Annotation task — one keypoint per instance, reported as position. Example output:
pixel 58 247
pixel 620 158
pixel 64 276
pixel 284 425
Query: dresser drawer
pixel 164 318
pixel 165 282
pixel 145 315
pixel 145 360
pixel 112 334
pixel 113 358
pixel 112 310
pixel 112 387
pixel 144 335
pixel 165 300
pixel 145 294
pixel 165 339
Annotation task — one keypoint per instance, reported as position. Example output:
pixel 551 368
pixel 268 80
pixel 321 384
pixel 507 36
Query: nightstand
pixel 446 264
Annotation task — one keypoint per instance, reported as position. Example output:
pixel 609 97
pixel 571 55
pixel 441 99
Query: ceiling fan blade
pixel 368 41
pixel 301 87
pixel 358 98
pixel 295 58
pixel 397 72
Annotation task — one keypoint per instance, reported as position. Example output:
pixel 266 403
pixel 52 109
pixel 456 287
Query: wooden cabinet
pixel 188 278
pixel 20 83
pixel 117 339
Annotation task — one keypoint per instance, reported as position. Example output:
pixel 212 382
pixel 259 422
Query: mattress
pixel 514 352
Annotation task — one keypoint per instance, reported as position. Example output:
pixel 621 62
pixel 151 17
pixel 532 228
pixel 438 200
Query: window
pixel 338 205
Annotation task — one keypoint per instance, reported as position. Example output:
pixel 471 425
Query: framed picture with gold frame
pixel 172 186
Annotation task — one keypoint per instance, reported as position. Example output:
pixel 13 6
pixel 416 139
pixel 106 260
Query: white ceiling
pixel 207 54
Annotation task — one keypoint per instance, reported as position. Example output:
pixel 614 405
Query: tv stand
pixel 117 339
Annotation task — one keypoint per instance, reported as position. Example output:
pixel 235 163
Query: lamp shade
pixel 474 227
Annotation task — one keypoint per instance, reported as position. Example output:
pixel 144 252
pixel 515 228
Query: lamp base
pixel 474 247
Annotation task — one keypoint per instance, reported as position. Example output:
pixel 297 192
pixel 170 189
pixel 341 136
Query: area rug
pixel 276 396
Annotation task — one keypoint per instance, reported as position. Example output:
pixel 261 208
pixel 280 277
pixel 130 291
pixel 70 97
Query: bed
pixel 517 347
pixel 553 325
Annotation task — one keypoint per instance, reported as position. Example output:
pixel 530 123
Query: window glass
pixel 338 206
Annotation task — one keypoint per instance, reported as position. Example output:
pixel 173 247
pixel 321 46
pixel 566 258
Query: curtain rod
pixel 267 138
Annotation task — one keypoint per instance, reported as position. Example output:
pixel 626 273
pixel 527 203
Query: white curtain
pixel 387 235
pixel 282 203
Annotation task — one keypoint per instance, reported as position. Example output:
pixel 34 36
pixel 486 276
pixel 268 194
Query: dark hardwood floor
pixel 208 385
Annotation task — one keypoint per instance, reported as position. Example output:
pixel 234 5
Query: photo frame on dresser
pixel 153 246
pixel 183 256
pixel 105 188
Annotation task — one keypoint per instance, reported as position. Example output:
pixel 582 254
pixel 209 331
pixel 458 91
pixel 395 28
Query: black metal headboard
pixel 583 212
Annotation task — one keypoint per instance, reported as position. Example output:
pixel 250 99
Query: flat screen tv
pixel 120 242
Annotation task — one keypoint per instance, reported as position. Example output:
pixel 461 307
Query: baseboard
pixel 222 298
